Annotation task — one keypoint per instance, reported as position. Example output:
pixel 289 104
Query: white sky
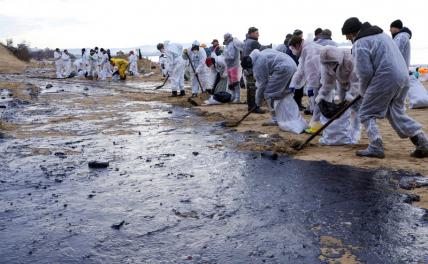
pixel 128 23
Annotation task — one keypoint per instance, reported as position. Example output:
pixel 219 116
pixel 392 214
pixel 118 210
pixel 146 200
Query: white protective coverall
pixel 175 65
pixel 133 66
pixel 93 65
pixel 79 67
pixel 85 61
pixel 337 69
pixel 384 82
pixel 309 73
pixel 105 66
pixel 66 63
pixel 197 58
pixel 273 71
pixel 58 63
pixel 402 40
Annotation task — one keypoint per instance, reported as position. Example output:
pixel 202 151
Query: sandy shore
pixel 272 138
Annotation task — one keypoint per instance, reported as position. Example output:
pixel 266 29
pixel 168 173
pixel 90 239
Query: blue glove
pixel 310 92
pixel 292 89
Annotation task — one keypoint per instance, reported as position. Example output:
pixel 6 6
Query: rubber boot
pixel 421 143
pixel 374 150
pixel 182 93
pixel 174 94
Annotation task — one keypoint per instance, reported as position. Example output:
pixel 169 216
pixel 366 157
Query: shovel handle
pixel 246 115
pixel 336 116
pixel 194 71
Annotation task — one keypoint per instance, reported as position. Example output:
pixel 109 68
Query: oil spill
pixel 177 191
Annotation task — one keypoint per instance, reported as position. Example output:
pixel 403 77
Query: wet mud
pixel 169 187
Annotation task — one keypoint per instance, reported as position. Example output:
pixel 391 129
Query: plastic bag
pixel 339 132
pixel 418 95
pixel 288 115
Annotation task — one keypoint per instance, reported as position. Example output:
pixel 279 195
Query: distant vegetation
pixel 23 51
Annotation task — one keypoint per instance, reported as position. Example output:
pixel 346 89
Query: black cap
pixel 214 40
pixel 318 31
pixel 297 32
pixel 351 25
pixel 397 24
pixel 252 29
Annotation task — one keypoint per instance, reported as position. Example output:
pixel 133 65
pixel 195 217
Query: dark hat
pixel 297 32
pixel 351 25
pixel 247 62
pixel 252 29
pixel 214 40
pixel 318 31
pixel 397 24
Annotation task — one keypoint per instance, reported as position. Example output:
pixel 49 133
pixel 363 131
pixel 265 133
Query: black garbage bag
pixel 223 97
pixel 330 109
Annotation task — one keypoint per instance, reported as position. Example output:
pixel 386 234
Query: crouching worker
pixel 273 71
pixel 119 68
pixel 337 68
pixel 217 81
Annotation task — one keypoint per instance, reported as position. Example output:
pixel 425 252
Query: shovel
pixel 194 71
pixel 160 86
pixel 235 124
pixel 298 146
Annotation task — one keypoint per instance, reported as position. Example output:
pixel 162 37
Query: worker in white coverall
pixel 93 64
pixel 66 63
pixel 384 82
pixel 273 71
pixel 175 65
pixel 309 73
pixel 337 71
pixel 199 71
pixel 402 36
pixel 232 57
pixel 58 63
pixel 133 66
pixel 85 56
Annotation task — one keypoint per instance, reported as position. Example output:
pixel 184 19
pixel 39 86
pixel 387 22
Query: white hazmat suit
pixel 133 66
pixel 384 82
pixel 309 73
pixel 66 63
pixel 273 71
pixel 58 63
pixel 175 65
pixel 337 69
pixel 197 58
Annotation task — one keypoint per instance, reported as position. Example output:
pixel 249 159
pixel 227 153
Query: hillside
pixel 9 63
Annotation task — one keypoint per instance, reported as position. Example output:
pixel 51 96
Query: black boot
pixel 174 94
pixel 182 93
pixel 258 110
pixel 421 143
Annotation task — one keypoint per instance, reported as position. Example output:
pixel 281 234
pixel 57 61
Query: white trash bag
pixel 418 95
pixel 288 115
pixel 339 132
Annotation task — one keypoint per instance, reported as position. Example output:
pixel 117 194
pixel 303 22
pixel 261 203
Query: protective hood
pixel 368 30
pixel 403 30
pixel 255 55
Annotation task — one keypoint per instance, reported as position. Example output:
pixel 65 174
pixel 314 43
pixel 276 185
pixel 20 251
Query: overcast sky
pixel 127 23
